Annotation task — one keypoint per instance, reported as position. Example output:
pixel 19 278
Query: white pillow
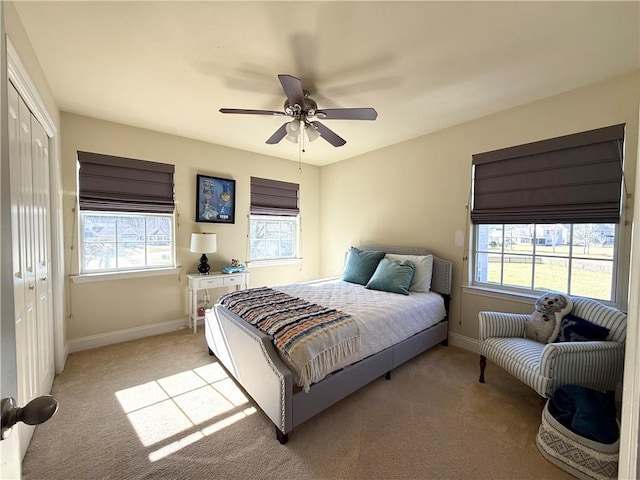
pixel 423 270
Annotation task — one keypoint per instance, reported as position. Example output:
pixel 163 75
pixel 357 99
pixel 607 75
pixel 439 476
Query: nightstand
pixel 199 282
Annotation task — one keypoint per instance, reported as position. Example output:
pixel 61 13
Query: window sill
pixel 103 277
pixel 507 295
pixel 519 297
pixel 274 263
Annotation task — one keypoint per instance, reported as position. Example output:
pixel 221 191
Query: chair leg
pixel 483 364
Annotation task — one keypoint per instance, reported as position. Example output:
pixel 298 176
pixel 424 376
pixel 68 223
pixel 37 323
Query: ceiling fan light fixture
pixel 312 132
pixel 293 131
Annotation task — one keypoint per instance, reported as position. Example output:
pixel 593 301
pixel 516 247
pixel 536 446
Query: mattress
pixel 383 318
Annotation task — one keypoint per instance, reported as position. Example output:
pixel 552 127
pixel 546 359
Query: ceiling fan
pixel 304 110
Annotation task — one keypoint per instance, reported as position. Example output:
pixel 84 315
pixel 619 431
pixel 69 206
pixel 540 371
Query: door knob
pixel 37 411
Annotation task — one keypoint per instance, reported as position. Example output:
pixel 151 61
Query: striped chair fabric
pixel 544 367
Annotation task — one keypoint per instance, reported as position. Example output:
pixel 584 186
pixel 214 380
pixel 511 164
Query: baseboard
pixel 103 339
pixel 468 343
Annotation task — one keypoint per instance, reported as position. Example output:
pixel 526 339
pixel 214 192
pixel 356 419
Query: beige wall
pixel 113 305
pixel 415 193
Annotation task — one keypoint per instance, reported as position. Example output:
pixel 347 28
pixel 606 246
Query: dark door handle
pixel 37 411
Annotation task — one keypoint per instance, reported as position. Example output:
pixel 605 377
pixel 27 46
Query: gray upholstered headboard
pixel 441 278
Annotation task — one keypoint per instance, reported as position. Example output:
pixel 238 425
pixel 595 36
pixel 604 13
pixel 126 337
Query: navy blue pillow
pixel 576 329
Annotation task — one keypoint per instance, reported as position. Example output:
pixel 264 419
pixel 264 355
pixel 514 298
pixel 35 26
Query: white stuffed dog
pixel 544 323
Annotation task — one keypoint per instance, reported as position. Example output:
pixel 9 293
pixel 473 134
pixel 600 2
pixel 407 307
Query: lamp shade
pixel 203 243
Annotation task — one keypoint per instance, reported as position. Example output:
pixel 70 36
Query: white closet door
pixel 29 173
pixel 26 330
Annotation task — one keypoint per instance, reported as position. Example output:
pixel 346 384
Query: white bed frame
pixel 250 357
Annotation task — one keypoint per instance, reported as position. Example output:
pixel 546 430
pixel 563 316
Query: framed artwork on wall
pixel 215 199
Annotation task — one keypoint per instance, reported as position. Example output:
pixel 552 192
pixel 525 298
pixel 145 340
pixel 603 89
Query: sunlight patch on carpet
pixel 169 408
pixel 194 437
pixel 181 383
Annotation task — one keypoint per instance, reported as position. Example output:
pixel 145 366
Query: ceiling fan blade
pixel 347 113
pixel 293 89
pixel 252 112
pixel 278 134
pixel 329 135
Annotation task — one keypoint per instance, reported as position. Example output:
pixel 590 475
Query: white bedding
pixel 383 318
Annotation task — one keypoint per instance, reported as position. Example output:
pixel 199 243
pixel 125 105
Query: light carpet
pixel 162 408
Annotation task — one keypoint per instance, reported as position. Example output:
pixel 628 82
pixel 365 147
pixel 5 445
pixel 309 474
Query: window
pixel 576 259
pixel 126 214
pixel 116 242
pixel 273 237
pixel 546 214
pixel 274 220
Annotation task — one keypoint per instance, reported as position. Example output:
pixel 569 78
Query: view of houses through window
pixel 125 241
pixel 576 259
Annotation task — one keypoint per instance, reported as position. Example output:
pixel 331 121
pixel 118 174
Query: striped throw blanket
pixel 312 337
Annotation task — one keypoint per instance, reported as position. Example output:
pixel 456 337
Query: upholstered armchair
pixel 544 367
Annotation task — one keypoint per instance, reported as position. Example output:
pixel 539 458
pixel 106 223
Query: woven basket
pixel 577 455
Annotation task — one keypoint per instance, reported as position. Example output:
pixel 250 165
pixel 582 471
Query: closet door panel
pixel 42 255
pixel 27 243
pixel 18 234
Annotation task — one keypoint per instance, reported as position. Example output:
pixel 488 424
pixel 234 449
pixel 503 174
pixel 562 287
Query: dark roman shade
pixel 273 197
pixel 118 184
pixel 571 179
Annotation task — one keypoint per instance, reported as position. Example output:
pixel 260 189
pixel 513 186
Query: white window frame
pixel 137 270
pixel 508 289
pixel 261 262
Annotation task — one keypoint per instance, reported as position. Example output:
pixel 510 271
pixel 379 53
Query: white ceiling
pixel 424 66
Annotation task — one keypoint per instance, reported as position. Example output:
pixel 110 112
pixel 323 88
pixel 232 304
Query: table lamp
pixel 203 243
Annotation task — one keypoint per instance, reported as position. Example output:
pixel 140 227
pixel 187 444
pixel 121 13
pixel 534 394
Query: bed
pixel 249 355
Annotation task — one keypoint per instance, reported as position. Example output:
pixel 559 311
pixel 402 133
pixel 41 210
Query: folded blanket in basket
pixel 587 412
pixel 313 337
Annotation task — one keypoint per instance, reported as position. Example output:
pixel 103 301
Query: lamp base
pixel 204 267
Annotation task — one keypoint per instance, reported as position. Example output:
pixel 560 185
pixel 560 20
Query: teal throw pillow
pixel 392 276
pixel 360 265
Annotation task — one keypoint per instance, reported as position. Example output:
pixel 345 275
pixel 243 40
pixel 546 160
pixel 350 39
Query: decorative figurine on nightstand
pixel 235 267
